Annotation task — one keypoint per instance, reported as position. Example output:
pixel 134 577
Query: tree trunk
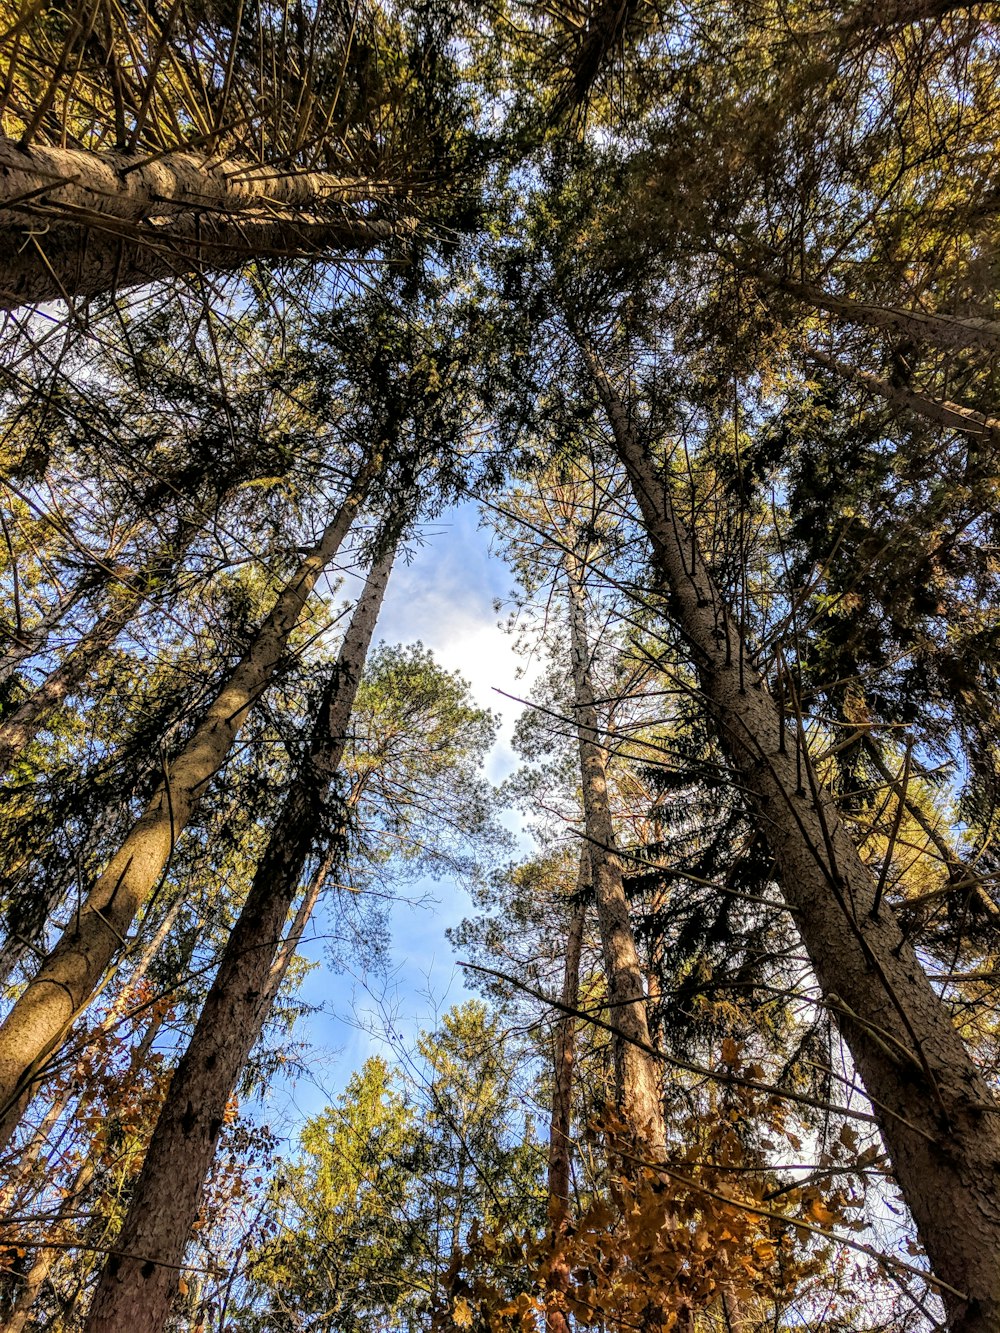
pixel 81 223
pixel 937 1116
pixel 890 17
pixel 138 1283
pixel 20 728
pixel 69 975
pixel 636 1072
pixel 19 1177
pixel 952 416
pixel 947 331
pixel 561 1123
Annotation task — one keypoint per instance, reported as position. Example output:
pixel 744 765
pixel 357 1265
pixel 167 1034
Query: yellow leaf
pixel 461 1312
pixel 182 1286
pixel 818 1212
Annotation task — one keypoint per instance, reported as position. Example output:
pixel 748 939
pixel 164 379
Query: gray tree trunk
pixel 947 331
pixel 938 1118
pixel 952 416
pixel 561 1122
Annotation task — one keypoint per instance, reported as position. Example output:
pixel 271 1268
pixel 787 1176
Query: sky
pixel 443 597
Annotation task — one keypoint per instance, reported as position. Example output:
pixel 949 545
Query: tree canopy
pixel 695 308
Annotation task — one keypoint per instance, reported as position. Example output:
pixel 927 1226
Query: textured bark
pixel 561 1122
pixel 938 1118
pixel 947 331
pixel 68 977
pixel 952 416
pixel 82 224
pixel 70 262
pixel 884 18
pixel 68 182
pixel 560 1125
pixel 139 1281
pixel 636 1072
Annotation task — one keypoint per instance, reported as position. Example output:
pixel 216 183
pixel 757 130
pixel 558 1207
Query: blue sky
pixel 443 597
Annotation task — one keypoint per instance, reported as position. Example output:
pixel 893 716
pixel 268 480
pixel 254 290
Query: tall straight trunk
pixel 75 184
pixel 636 1071
pixel 952 416
pixel 83 223
pixel 139 1280
pixel 561 1122
pixel 946 331
pixel 68 977
pixel 938 1118
pixel 564 1056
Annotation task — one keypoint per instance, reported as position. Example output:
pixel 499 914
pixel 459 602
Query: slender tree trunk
pixel 637 1073
pixel 139 1281
pixel 67 979
pixel 83 223
pixel 20 728
pixel 952 416
pixel 561 1123
pixel 45 1259
pixel 946 331
pixel 17 1179
pixel 937 1116
pixel 32 641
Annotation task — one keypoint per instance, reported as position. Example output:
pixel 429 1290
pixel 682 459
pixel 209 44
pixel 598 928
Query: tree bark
pixel 81 223
pixel 952 416
pixel 564 1056
pixel 936 1114
pixel 138 1283
pixel 946 331
pixel 890 17
pixel 561 1122
pixel 68 977
pixel 636 1072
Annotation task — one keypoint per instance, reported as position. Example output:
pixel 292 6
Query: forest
pixel 694 308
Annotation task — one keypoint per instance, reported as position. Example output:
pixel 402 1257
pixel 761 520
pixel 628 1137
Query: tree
pixel 139 1279
pixel 191 143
